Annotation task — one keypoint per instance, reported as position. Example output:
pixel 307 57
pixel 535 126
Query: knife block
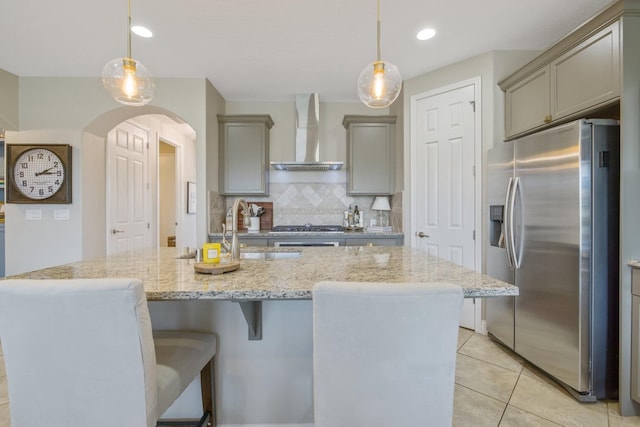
pixel 266 220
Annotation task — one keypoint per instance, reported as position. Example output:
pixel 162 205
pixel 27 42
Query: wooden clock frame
pixel 62 196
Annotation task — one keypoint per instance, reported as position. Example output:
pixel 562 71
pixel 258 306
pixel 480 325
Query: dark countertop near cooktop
pixel 341 235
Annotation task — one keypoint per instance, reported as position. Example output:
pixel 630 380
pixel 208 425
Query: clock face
pixel 38 173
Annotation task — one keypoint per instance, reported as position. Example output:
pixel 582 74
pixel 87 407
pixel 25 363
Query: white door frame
pixel 476 82
pixel 179 190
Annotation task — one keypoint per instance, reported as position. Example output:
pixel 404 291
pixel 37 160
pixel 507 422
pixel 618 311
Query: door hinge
pixel 473 170
pixel 474 234
pixel 148 226
pixel 473 105
pixel 148 143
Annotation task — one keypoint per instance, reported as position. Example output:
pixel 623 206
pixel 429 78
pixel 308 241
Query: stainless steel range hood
pixel 307 138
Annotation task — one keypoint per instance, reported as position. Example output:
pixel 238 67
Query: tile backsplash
pixel 304 202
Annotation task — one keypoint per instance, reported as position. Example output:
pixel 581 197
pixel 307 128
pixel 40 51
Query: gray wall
pixel 629 194
pixel 79 112
pixel 215 104
pixel 9 86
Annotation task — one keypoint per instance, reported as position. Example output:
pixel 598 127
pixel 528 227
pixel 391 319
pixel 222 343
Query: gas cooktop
pixel 309 228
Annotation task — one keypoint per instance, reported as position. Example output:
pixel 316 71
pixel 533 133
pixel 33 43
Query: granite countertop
pixel 167 277
pixel 634 263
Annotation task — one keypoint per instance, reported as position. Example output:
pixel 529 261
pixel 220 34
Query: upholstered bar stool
pixel 384 355
pixel 82 353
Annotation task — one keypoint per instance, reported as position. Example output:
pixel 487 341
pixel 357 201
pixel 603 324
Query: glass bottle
pixel 356 217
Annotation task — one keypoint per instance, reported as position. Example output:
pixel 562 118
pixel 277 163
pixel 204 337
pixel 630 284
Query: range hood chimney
pixel 307 138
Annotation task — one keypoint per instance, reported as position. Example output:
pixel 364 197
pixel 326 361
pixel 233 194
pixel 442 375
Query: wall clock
pixel 39 173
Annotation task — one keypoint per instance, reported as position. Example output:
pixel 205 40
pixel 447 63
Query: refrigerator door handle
pixel 506 225
pixel 512 240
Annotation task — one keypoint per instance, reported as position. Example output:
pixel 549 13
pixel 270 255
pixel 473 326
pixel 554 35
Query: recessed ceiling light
pixel 426 34
pixel 142 31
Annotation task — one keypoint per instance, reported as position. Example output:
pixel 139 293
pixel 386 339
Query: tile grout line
pixel 511 395
pixel 492 364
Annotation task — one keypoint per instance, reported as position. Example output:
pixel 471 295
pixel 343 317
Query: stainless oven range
pixel 297 240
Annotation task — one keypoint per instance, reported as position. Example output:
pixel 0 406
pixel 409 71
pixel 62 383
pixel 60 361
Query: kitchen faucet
pixel 234 247
pixel 226 245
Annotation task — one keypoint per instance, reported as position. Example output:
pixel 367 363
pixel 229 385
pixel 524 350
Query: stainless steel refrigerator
pixel 553 232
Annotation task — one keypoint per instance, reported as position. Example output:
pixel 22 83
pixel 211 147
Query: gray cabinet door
pixel 370 154
pixel 587 75
pixel 527 103
pixel 244 154
pixel 254 241
pixel 375 241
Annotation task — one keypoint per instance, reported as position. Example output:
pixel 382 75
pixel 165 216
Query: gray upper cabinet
pixel 527 103
pixel 578 74
pixel 370 154
pixel 587 75
pixel 244 154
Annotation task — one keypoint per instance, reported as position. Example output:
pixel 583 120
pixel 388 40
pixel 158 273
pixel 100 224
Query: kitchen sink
pixel 269 255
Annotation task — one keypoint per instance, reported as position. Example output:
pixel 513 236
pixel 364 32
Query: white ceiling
pixel 270 50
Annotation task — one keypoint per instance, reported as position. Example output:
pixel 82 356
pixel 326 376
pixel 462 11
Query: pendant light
pixel 127 80
pixel 379 83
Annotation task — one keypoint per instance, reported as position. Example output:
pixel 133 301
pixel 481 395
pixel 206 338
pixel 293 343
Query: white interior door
pixel 129 216
pixel 444 180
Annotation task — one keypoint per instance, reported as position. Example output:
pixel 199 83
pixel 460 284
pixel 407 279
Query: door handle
pixel 114 231
pixel 516 256
pixel 506 227
pixel 421 234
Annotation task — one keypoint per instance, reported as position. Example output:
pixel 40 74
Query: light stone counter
pixel 167 277
pixel 634 263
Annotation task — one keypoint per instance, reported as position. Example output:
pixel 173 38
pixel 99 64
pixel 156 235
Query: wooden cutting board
pixel 216 268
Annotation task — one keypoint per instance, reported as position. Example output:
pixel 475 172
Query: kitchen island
pixel 167 276
pixel 266 379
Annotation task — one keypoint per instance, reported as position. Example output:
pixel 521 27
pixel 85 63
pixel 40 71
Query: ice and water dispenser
pixel 496 216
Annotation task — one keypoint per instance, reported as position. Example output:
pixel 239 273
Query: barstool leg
pixel 207 382
pixel 208 389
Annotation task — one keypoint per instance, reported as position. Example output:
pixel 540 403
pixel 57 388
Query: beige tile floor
pixel 494 387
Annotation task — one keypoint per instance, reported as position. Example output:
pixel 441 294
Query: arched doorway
pixel 97 188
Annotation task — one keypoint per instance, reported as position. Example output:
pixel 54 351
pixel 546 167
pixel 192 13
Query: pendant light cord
pixel 378 30
pixel 129 30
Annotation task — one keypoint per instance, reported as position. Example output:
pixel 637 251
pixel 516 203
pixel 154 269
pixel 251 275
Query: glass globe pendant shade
pixel 129 82
pixel 379 84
